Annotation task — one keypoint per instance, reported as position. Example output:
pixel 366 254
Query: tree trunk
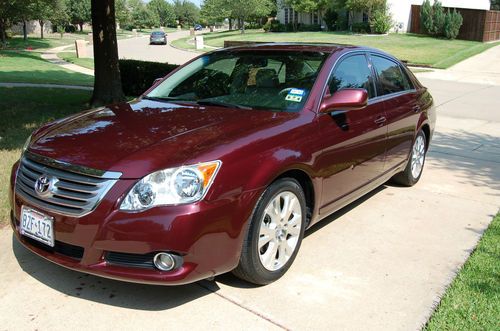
pixel 41 28
pixel 81 26
pixel 25 31
pixel 230 24
pixel 242 25
pixel 107 80
pixel 2 31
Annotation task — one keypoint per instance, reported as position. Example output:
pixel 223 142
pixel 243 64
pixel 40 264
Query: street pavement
pixel 139 49
pixel 381 263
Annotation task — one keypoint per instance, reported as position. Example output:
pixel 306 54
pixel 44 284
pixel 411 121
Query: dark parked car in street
pixel 198 27
pixel 222 165
pixel 158 37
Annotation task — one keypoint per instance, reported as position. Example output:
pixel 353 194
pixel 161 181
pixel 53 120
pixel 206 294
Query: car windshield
pixel 158 33
pixel 271 80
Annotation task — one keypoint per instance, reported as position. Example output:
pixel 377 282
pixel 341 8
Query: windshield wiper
pixel 221 104
pixel 164 99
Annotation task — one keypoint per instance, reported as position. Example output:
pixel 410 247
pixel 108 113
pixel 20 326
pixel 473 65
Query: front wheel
pixel 275 233
pixel 413 171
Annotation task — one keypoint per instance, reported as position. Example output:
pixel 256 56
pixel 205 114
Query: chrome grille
pixel 73 190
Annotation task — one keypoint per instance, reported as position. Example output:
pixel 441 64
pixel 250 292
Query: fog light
pixel 164 261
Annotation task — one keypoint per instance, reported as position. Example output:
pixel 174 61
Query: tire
pixel 267 263
pixel 413 171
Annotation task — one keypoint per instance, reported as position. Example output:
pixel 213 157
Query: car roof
pixel 304 47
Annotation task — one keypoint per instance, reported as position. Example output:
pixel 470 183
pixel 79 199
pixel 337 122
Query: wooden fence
pixel 478 25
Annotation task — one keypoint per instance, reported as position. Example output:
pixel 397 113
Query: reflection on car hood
pixel 143 136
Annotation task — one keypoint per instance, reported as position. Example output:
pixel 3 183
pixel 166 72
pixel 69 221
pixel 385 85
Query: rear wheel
pixel 413 171
pixel 275 233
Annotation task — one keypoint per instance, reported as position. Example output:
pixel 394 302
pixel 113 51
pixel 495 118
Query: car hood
pixel 143 136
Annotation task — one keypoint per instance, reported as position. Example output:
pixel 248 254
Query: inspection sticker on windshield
pixel 295 95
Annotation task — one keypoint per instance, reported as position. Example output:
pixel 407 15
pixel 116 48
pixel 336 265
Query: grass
pixel 71 57
pixel 183 43
pixel 472 302
pixel 416 49
pixel 29 67
pixel 27 109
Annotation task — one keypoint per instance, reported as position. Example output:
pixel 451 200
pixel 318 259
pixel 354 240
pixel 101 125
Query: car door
pixel 401 108
pixel 353 141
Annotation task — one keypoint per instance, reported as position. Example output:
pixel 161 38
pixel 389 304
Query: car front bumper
pixel 208 237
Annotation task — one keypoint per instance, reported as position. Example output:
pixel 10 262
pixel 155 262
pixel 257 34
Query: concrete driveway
pixel 140 49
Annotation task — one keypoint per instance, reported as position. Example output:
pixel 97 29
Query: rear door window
pixel 391 78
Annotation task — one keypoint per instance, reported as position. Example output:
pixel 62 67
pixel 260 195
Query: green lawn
pixel 25 110
pixel 71 57
pixel 29 67
pixel 416 49
pixel 472 302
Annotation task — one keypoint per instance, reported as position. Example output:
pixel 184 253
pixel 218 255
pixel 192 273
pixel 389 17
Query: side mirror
pixel 346 99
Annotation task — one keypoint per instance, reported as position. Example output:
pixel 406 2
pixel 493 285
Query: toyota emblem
pixel 42 185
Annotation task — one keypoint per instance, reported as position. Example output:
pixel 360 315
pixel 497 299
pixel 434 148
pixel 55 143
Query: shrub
pixel 452 24
pixel 426 17
pixel 138 76
pixel 437 19
pixel 361 27
pixel 70 28
pixel 274 26
pixel 309 27
pixel 381 21
pixel 331 17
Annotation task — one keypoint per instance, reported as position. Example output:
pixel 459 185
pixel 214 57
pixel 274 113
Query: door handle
pixel 416 109
pixel 380 120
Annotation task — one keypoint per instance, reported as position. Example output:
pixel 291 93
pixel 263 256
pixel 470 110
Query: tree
pixel 107 80
pixel 495 4
pixel 214 11
pixel 44 10
pixel 122 11
pixel 163 10
pixel 144 18
pixel 186 12
pixel 364 6
pixel 246 9
pixel 60 17
pixel 305 6
pixel 426 19
pixel 437 18
pixel 452 23
pixel 79 11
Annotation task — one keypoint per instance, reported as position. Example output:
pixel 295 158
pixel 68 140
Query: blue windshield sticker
pixel 295 95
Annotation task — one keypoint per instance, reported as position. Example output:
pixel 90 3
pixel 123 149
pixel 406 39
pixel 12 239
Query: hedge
pixel 138 76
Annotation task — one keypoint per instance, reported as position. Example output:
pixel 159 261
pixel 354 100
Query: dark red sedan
pixel 222 165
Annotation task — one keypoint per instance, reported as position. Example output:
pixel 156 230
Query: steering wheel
pixel 285 91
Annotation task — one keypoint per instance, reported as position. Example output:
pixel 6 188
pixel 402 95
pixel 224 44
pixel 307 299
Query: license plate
pixel 37 226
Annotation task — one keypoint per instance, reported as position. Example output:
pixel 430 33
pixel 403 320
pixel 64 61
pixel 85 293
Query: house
pixel 400 10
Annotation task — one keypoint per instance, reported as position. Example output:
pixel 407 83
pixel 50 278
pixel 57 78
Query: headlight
pixel 26 145
pixel 173 186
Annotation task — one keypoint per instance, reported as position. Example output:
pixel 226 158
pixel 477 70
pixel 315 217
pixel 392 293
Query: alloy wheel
pixel 279 230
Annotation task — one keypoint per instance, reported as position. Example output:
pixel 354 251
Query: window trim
pixel 377 78
pixel 345 57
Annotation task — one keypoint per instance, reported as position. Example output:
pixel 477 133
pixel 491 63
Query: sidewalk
pixel 483 68
pixel 51 56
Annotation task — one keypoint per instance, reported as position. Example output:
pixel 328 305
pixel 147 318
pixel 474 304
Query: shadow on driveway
pixel 106 291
